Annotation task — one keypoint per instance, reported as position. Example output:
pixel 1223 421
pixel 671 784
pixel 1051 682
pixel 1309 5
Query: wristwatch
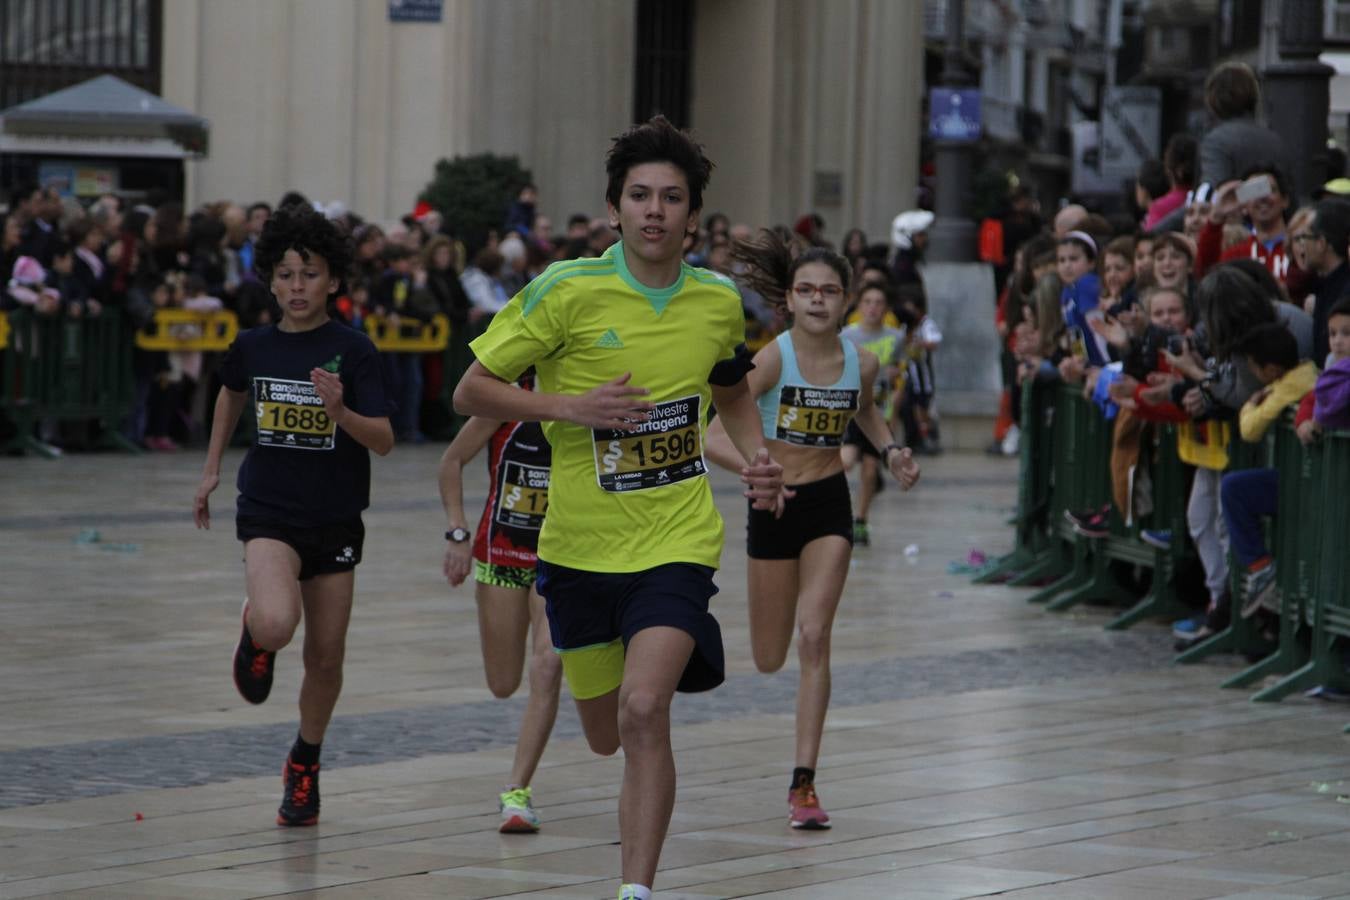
pixel 457 535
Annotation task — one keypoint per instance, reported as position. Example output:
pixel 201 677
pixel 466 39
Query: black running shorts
pixel 819 509
pixel 323 549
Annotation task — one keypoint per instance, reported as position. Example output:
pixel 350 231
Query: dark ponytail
pixel 771 262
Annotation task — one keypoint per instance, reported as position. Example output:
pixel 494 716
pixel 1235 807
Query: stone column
pixel 1297 94
pixel 953 236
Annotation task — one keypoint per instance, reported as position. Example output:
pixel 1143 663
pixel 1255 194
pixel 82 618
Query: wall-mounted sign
pixel 415 10
pixel 954 114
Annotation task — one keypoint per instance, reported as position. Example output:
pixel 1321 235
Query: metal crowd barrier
pixel 62 369
pixel 185 329
pixel 1065 465
pixel 1313 568
pixel 411 335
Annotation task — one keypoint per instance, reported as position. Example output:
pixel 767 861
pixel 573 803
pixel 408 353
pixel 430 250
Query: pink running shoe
pixel 804 809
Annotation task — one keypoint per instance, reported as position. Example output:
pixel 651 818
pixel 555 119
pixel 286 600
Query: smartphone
pixel 1254 188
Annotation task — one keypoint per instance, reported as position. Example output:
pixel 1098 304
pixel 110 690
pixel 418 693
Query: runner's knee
pixel 770 659
pixel 502 683
pixel 272 629
pixel 813 641
pixel 642 714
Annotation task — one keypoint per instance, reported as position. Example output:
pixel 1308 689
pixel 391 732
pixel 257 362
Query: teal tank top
pixel 797 412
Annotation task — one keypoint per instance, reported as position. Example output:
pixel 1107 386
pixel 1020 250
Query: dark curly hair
pixel 771 262
pixel 302 229
pixel 657 140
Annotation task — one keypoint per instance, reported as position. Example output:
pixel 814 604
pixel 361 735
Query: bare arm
pixel 762 476
pixel 229 405
pixel 900 461
pixel 450 477
pixel 724 449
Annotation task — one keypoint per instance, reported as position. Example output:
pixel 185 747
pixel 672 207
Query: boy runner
pixel 631 348
pixel 319 400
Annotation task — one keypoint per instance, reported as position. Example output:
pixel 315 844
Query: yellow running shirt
pixel 623 501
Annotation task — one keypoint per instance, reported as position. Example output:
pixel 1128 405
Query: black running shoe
pixel 252 666
pixel 300 797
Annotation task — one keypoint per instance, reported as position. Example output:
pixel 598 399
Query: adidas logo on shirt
pixel 610 341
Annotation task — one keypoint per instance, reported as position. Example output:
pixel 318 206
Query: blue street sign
pixel 954 114
pixel 415 10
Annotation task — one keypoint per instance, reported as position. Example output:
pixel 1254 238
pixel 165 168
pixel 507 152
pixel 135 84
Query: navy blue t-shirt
pixel 303 470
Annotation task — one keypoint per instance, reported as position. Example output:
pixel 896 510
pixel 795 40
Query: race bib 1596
pixel 665 449
pixel 291 414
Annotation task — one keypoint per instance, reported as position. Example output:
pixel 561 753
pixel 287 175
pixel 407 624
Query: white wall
pixel 784 89
pixel 330 98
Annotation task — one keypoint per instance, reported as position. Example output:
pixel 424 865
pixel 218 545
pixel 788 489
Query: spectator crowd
pixel 1222 304
pixel 65 261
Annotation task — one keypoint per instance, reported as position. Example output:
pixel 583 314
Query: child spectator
pixel 28 287
pixel 1118 272
pixel 393 298
pixel 1328 406
pixel 1076 259
pixel 90 268
pixel 185 366
pixel 916 405
pixel 1272 355
pixel 61 278
pixel 1173 259
pixel 888 345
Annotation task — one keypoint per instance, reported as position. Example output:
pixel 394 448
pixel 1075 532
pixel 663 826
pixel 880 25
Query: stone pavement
pixel 975 745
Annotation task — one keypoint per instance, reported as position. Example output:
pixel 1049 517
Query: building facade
pixel 803 104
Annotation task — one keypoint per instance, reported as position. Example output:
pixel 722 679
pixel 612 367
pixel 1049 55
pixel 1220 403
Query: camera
pixel 1176 344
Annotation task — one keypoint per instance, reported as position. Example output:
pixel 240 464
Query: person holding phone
pixel 1261 198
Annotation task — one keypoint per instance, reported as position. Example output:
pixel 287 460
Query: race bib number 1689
pixel 291 414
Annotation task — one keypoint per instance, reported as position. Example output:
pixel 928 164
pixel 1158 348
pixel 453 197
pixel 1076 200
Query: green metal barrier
pixel 67 370
pixel 1242 635
pixel 1030 537
pixel 1081 480
pixel 1296 552
pixel 1314 570
pixel 1094 433
pixel 1168 475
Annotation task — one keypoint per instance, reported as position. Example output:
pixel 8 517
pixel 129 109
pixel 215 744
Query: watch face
pixel 458 535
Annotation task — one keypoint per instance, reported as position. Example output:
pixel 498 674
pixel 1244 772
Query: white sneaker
pixel 518 815
pixel 1012 441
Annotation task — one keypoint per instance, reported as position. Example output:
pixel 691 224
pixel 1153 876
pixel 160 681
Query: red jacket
pixel 1277 260
pixel 1158 412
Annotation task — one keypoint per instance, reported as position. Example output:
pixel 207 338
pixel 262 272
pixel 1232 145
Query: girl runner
pixel 809 384
pixel 502 556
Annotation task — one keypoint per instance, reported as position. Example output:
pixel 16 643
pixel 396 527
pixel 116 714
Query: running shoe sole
pixel 811 825
pixel 518 825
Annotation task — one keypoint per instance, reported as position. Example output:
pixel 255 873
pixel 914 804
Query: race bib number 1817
pixel 814 417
